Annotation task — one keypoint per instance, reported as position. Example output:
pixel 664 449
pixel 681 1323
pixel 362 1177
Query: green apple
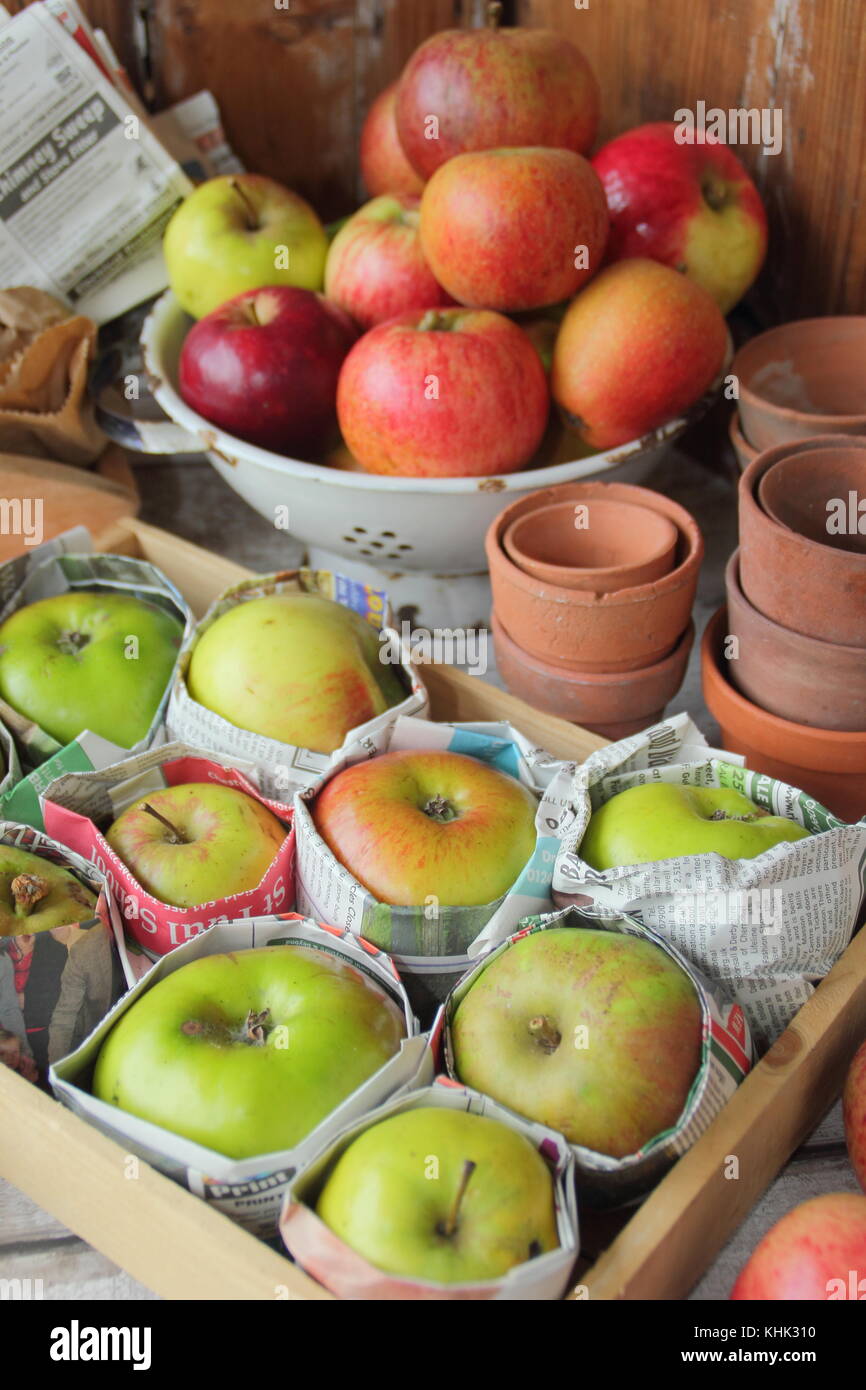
pixel 440 1194
pixel 247 1052
pixel 662 820
pixel 36 894
pixel 295 667
pixel 197 842
pixel 88 659
pixel 239 232
pixel 410 825
pixel 593 1033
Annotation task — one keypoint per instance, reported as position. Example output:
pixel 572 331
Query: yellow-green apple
pixel 662 820
pixel 36 894
pixel 514 229
pixel 238 232
pixel 196 842
pixel 89 659
pixel 489 1207
pixel 478 89
pixel 444 393
pixel 376 268
pixel 816 1253
pixel 384 166
pixel 246 1053
pixel 854 1112
pixel 298 668
pixel 691 206
pixel 637 347
pixel 410 825
pixel 593 1033
pixel 264 366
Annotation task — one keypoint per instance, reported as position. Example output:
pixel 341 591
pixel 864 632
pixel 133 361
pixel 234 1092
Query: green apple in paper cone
pixel 37 894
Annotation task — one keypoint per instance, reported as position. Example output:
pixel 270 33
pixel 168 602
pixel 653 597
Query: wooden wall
pixel 293 83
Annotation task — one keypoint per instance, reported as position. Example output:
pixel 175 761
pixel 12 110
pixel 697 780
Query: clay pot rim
pixel 591 574
pixel 679 577
pixel 820 647
pixel 741 445
pixel 780 464
pixel 819 750
pixel 806 549
pixel 592 678
pixel 787 412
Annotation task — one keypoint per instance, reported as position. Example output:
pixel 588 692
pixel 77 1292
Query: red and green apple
pixel 376 268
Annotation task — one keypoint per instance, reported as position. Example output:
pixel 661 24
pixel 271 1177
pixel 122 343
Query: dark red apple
pixel 264 367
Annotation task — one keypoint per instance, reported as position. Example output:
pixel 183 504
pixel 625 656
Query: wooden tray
pixel 183 1249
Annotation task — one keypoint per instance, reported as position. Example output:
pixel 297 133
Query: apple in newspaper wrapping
pixel 691 206
pixel 854 1111
pixel 89 659
pixel 196 842
pixel 238 232
pixel 247 1052
pixel 37 895
pixel 264 367
pixel 489 1207
pixel 410 824
pixel 376 268
pixel 384 166
pixel 815 1253
pixel 443 393
pixel 467 89
pixel 295 667
pixel 514 229
pixel 595 1034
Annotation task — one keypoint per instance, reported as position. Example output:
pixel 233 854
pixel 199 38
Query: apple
pixel 816 1252
pixel 248 1052
pixel 636 348
pixel 294 667
pixel 592 1033
pixel 384 166
pixel 514 229
pixel 376 268
pixel 692 207
pixel 489 1207
pixel 264 366
pixel 88 659
pixel 238 232
pixel 479 89
pixel 37 895
pixel 854 1112
pixel 662 820
pixel 196 842
pixel 447 393
pixel 412 824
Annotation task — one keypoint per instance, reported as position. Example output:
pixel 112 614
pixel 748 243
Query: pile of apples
pixel 496 271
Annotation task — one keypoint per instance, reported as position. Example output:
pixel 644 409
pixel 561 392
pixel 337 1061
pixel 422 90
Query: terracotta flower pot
pixel 802 584
pixel 742 448
pixel 603 546
pixel 801 379
pixel 810 494
pixel 575 629
pixel 613 704
pixel 828 765
pixel 821 684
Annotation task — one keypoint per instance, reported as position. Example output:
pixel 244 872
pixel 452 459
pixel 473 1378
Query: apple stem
pixel 254 1030
pixel 450 1225
pixel 176 837
pixel 434 322
pixel 757 814
pixel 253 223
pixel 28 890
pixel 494 14
pixel 71 643
pixel 438 808
pixel 545 1033
pixel 715 195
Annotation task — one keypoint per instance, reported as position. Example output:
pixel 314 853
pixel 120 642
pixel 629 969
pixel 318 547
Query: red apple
pixel 384 166
pixel 692 207
pixel 410 825
pixel 264 367
pixel 448 393
pixel 479 89
pixel 636 348
pixel 854 1111
pixel 815 1253
pixel 514 229
pixel 376 268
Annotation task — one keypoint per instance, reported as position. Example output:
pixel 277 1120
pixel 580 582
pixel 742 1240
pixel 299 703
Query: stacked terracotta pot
pixel 791 694
pixel 593 587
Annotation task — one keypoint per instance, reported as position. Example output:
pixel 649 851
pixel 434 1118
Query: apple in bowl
pixel 376 268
